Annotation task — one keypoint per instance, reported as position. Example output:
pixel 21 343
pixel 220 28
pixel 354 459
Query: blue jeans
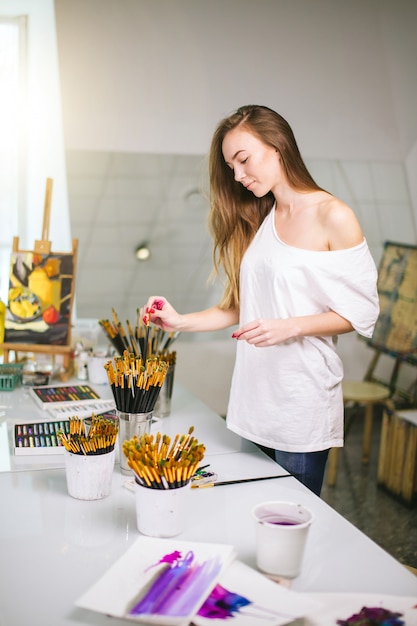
pixel 307 467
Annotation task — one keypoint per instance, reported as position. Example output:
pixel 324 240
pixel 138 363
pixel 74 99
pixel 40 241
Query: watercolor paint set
pixel 48 396
pixel 82 410
pixel 39 437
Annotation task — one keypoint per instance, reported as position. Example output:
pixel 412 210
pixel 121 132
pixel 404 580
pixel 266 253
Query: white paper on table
pixel 341 606
pixel 270 604
pixel 121 585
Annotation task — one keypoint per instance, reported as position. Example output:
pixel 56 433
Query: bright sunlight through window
pixel 12 37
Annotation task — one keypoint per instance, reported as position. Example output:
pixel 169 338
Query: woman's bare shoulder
pixel 341 224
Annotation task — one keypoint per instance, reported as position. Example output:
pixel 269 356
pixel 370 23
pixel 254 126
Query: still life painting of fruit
pixel 40 296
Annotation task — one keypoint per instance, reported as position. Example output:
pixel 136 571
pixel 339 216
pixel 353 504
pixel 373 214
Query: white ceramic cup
pixel 281 535
pixel 97 374
pixel 161 512
pixel 89 477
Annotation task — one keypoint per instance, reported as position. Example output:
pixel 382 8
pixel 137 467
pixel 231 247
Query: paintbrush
pixel 237 481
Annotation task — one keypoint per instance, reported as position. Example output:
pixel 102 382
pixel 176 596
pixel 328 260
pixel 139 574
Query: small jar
pixel 81 365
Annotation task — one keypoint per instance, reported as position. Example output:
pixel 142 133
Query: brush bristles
pixel 142 341
pixel 161 464
pixel 100 438
pixel 136 384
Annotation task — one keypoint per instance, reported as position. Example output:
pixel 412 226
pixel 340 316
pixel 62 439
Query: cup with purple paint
pixel 281 535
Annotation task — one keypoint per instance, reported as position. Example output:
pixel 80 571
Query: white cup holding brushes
pixel 163 469
pixel 161 512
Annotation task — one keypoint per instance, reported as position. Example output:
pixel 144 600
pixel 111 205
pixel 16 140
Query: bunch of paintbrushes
pixel 143 340
pixel 159 463
pixel 99 438
pixel 136 383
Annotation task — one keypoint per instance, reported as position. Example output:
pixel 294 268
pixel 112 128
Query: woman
pixel 298 272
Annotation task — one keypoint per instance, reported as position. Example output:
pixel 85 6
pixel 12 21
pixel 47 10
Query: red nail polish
pixel 158 304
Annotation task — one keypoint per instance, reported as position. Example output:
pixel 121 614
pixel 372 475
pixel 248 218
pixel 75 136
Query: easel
pixel 43 247
pixel 395 334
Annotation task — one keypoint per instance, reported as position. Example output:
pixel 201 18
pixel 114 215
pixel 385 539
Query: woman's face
pixel 256 165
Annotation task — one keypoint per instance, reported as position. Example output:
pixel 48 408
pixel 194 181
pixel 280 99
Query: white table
pixel 53 547
pixel 187 410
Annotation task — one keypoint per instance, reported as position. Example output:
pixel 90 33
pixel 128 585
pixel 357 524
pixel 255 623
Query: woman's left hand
pixel 263 333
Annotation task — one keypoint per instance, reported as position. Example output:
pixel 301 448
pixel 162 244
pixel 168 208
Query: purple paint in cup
pixel 281 535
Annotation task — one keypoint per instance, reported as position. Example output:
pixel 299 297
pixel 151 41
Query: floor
pixel 356 496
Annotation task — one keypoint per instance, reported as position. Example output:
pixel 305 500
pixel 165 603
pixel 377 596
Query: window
pixel 12 123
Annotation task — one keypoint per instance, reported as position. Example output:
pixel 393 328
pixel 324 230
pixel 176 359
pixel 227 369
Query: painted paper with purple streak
pixel 222 604
pixel 178 586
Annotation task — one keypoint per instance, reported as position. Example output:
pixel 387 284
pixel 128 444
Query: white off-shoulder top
pixel 289 396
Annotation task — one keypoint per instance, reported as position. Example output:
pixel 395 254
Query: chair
pixel 367 394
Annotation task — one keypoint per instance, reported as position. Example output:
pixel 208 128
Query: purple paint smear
pixel 222 604
pixel 373 616
pixel 179 586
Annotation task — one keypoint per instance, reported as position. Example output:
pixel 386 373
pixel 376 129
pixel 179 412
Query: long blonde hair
pixel 235 213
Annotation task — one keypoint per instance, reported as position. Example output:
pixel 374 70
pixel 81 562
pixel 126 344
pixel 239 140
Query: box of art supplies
pixel 52 396
pixel 39 437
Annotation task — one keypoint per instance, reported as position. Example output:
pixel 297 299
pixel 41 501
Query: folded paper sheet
pixel 186 572
pixel 213 586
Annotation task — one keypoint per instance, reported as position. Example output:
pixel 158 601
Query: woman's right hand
pixel 159 311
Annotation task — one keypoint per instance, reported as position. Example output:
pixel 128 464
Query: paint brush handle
pixel 238 481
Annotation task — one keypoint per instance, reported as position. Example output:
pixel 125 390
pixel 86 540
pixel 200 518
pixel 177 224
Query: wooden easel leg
pixel 332 466
pixel 383 448
pixel 410 462
pixel 367 432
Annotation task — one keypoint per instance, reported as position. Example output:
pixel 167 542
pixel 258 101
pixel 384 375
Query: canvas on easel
pixel 395 333
pixel 396 328
pixel 40 296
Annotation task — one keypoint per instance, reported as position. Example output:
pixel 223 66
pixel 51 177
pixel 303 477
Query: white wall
pixel 156 76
